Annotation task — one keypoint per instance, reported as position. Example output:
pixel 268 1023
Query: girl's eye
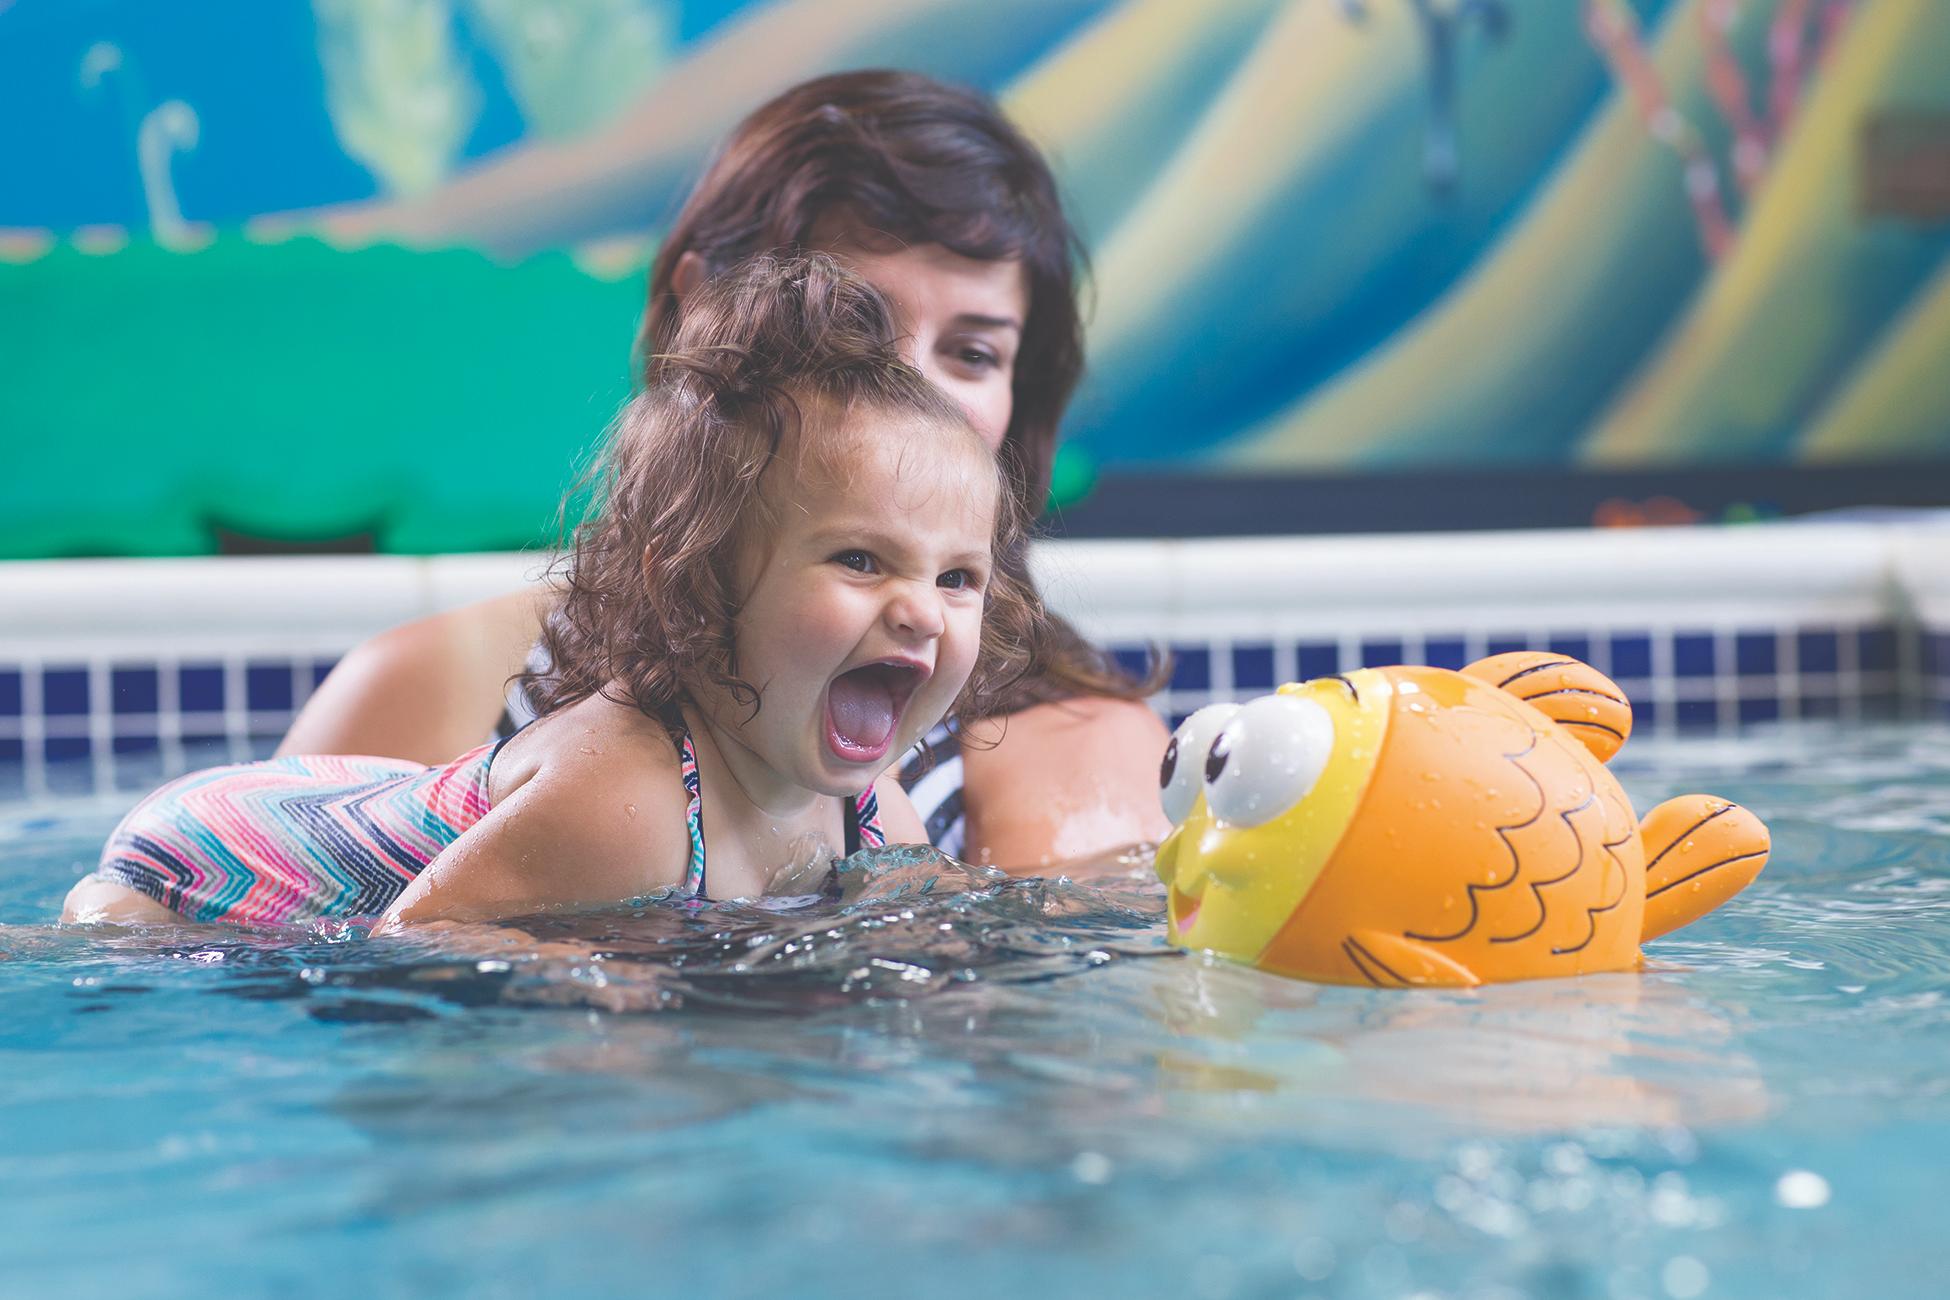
pixel 858 561
pixel 957 580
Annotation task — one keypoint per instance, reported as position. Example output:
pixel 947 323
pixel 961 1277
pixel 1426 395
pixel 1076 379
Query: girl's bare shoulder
pixel 604 777
pixel 593 735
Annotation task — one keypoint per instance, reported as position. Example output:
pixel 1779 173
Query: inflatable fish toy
pixel 1418 826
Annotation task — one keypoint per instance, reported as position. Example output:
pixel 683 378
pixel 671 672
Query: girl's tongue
pixel 862 709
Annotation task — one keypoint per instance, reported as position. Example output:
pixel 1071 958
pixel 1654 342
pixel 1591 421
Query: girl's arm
pixel 579 835
pixel 426 690
pixel 1068 780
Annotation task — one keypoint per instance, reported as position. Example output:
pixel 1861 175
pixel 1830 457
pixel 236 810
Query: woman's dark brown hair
pixel 924 163
pixel 773 349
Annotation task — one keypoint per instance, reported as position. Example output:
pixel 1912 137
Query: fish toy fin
pixel 1699 852
pixel 1568 691
pixel 1394 961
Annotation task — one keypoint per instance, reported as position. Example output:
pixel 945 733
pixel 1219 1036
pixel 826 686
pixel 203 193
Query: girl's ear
pixel 687 275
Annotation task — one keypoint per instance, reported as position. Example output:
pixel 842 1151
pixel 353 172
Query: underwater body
pixel 952 1083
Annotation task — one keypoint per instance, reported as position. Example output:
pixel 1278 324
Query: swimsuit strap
pixel 862 819
pixel 863 823
pixel 693 817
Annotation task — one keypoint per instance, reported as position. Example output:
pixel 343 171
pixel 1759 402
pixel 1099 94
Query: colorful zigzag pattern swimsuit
pixel 293 839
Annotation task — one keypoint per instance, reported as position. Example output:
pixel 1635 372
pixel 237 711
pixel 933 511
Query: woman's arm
pixel 1068 780
pixel 426 690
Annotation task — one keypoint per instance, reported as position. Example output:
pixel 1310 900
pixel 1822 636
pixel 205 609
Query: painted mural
pixel 367 271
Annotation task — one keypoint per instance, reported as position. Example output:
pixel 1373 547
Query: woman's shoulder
pixel 1062 780
pixel 1100 725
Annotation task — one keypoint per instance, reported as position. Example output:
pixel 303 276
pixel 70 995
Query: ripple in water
pixel 939 1073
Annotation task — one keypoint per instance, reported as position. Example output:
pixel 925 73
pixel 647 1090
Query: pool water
pixel 992 1088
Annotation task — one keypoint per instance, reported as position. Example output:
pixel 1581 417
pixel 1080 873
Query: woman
pixel 930 194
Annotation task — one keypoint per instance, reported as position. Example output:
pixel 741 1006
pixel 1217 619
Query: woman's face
pixel 963 319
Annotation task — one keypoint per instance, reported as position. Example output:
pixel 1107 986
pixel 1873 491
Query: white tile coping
pixel 1275 587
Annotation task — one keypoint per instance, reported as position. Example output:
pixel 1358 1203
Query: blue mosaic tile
pixel 64 692
pixel 267 686
pixel 1318 659
pixel 1382 654
pixel 1882 704
pixel 1572 645
pixel 1445 652
pixel 320 670
pixel 1692 655
pixel 1645 714
pixel 211 738
pixel 1631 656
pixel 1875 649
pixel 199 688
pixel 1936 654
pixel 63 749
pixel 1762 708
pixel 1817 651
pixel 12 749
pixel 1506 644
pixel 1820 704
pixel 1693 714
pixel 1252 668
pixel 1753 654
pixel 135 744
pixel 10 693
pixel 1191 668
pixel 134 690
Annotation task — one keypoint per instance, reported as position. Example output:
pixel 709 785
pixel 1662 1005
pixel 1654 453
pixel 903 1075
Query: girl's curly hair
pixel 650 589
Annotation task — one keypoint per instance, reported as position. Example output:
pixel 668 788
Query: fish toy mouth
pixel 1184 910
pixel 864 707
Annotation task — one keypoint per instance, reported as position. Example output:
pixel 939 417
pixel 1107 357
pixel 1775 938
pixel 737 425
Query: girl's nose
pixel 916 610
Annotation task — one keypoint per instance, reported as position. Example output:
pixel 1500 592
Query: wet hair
pixel 771 359
pixel 924 163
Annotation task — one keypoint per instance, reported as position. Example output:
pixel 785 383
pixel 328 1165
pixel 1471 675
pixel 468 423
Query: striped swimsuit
pixel 931 772
pixel 293 839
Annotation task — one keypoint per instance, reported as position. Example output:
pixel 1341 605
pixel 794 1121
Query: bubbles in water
pixel 1802 1189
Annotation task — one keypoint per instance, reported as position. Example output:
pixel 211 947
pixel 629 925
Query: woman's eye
pixel 858 561
pixel 975 357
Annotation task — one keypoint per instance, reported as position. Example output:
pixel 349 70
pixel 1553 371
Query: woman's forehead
pixel 928 281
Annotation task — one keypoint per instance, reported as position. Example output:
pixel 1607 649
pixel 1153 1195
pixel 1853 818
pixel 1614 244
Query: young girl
pixel 931 194
pixel 790 579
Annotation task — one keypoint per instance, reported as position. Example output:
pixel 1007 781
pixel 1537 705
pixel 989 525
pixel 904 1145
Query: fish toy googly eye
pixel 1184 765
pixel 1266 758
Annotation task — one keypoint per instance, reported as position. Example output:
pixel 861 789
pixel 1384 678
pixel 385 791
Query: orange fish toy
pixel 1418 826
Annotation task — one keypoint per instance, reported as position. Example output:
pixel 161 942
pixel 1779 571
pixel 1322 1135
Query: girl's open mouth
pixel 864 707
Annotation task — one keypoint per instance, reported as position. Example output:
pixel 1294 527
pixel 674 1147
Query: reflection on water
pixel 942 1080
